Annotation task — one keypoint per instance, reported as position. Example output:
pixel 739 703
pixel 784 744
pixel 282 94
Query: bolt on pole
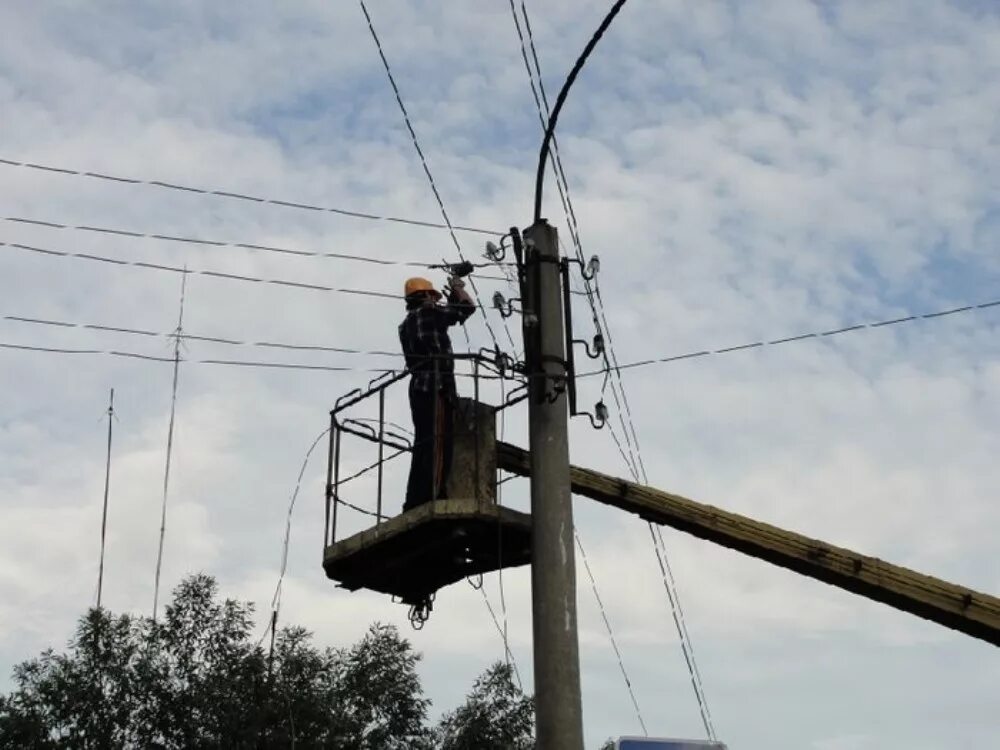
pixel 558 709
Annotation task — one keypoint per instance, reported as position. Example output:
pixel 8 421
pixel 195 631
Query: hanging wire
pixel 430 177
pixel 562 186
pixel 687 647
pixel 242 197
pixel 285 251
pixel 184 270
pixel 276 598
pixel 561 99
pixel 511 661
pixel 611 633
pixel 633 458
pixel 814 336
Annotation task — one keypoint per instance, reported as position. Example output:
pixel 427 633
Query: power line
pixel 214 274
pixel 288 365
pixel 215 340
pixel 239 245
pixel 800 337
pixel 597 311
pixel 561 99
pixel 243 197
pixel 276 599
pixel 227 341
pixel 611 634
pixel 687 649
pixel 562 184
pixel 503 635
pixel 427 172
pixel 154 358
pixel 225 362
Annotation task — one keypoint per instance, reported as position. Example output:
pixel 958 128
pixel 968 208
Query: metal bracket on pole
pixel 588 271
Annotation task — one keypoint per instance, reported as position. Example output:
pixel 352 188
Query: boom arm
pixel 970 612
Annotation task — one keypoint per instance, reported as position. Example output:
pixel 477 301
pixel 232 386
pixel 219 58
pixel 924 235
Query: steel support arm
pixel 962 609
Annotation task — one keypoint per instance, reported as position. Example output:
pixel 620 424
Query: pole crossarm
pixel 965 610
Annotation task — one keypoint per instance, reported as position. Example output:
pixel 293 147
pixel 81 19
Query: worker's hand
pixel 457 283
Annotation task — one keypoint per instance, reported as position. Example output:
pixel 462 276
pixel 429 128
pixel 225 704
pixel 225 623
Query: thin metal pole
pixel 107 487
pixel 170 443
pixel 336 485
pixel 381 452
pixel 475 421
pixel 435 433
pixel 559 715
pixel 329 486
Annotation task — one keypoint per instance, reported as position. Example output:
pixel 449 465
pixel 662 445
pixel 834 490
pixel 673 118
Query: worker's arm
pixel 460 304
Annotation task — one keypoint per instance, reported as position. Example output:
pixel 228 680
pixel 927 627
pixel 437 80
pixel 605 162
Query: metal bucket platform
pixel 418 552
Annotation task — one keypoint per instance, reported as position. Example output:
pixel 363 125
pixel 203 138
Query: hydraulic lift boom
pixel 970 612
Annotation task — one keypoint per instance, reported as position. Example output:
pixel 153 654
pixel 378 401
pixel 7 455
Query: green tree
pixel 196 679
pixel 496 716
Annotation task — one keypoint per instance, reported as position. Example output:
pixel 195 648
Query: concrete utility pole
pixel 558 712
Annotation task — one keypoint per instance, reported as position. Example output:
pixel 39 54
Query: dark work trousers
pixel 433 443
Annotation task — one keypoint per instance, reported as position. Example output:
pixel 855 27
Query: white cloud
pixel 744 175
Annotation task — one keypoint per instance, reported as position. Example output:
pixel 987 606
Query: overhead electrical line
pixel 430 177
pixel 214 274
pixel 243 197
pixel 243 245
pixel 194 337
pixel 634 457
pixel 561 99
pixel 815 336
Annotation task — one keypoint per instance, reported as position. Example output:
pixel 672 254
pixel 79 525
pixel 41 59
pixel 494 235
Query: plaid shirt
pixel 423 335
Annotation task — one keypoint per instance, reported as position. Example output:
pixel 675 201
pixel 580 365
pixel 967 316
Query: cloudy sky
pixel 745 174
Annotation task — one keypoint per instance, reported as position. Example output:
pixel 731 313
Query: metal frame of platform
pixel 416 553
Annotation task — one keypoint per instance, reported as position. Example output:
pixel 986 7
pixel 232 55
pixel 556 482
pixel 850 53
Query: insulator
pixel 492 251
pixel 593 266
pixel 599 343
pixel 498 301
pixel 601 411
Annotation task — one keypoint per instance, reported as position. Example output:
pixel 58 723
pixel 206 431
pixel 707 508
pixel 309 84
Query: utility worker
pixel 423 335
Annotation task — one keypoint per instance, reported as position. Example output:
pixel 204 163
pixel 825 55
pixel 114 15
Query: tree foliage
pixel 496 716
pixel 196 679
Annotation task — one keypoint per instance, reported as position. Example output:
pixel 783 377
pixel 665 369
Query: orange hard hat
pixel 418 284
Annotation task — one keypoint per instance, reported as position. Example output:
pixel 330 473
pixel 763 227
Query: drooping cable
pixel 633 458
pixel 815 336
pixel 509 655
pixel 276 598
pixel 48 252
pixel 611 633
pixel 239 196
pixel 253 247
pixel 562 184
pixel 427 172
pixel 561 100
